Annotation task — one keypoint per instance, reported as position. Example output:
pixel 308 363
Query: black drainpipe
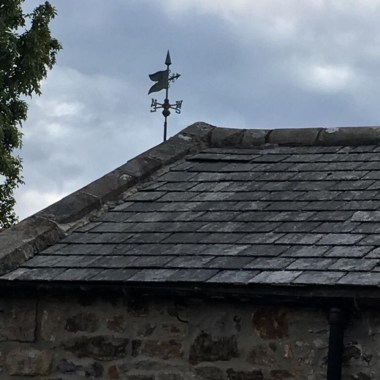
pixel 334 361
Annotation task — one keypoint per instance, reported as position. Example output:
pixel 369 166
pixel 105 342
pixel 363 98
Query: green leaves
pixel 26 55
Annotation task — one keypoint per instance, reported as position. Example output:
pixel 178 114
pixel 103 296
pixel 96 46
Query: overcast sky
pixel 244 64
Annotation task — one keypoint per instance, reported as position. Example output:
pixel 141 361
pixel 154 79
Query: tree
pixel 27 52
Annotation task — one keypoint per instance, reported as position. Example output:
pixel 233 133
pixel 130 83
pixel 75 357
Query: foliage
pixel 27 52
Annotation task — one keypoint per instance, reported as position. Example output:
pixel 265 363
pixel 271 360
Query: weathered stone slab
pixel 28 362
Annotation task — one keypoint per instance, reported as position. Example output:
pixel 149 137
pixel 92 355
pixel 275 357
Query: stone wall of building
pixel 56 337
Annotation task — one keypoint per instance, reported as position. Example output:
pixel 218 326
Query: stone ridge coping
pixel 22 241
pixel 249 138
pixel 32 235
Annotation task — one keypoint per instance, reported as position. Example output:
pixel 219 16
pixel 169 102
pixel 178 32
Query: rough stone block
pixel 270 322
pixel 88 322
pixel 209 373
pixel 28 362
pixel 17 320
pixel 97 347
pixel 244 375
pixel 200 131
pixel 349 136
pixel 170 349
pixel 226 137
pixel 299 136
pixel 254 137
pixel 207 348
pixel 23 240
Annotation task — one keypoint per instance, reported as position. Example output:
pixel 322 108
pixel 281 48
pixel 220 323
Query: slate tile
pixel 144 196
pixel 367 228
pixel 123 206
pixel 331 216
pixel 238 167
pixel 319 278
pixel 34 274
pixel 266 263
pixel 115 261
pixel 152 275
pixel 114 275
pixel 304 158
pixel 77 274
pixel 268 158
pixel 233 276
pixel 348 251
pixel 340 239
pixel 287 206
pixel 141 249
pixel 176 176
pixel 208 166
pixel 261 238
pixel 228 262
pixel 309 176
pixel 321 195
pixel 54 249
pixel 158 261
pixel 352 185
pixel 88 227
pixel 189 261
pixel 187 249
pixel 257 216
pixel 192 275
pixel 265 250
pixel 340 227
pixel 179 206
pixel 218 216
pixel 283 196
pixel 225 249
pixel 177 196
pixel 314 185
pixel 311 264
pixel 220 237
pixel 366 216
pixel 290 227
pixel 176 186
pixel 350 175
pixel 275 277
pixel 299 238
pixel 113 216
pixel 110 237
pixel 373 254
pixel 42 261
pixel 212 196
pixel 354 264
pixel 373 239
pixel 79 237
pixel 306 251
pixel 211 186
pixel 87 249
pixel 373 174
pixel 149 237
pixel 360 278
pixel 110 227
pixel 73 261
pixel 185 237
pixel 275 176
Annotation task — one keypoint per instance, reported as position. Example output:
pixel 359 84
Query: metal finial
pixel 163 79
pixel 168 61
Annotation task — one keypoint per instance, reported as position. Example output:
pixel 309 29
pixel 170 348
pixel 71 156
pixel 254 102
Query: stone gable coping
pixel 35 233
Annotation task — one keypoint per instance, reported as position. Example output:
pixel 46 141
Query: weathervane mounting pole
pixel 163 79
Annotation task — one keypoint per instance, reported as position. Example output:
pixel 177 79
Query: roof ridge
pixel 246 138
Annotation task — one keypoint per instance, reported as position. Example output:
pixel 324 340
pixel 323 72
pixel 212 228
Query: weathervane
pixel 163 79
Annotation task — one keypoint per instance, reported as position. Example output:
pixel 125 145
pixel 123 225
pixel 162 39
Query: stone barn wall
pixel 57 337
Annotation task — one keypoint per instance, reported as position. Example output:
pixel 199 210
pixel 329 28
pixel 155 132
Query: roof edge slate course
pixel 22 241
pixel 35 233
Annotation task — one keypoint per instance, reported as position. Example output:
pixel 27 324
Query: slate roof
pixel 224 207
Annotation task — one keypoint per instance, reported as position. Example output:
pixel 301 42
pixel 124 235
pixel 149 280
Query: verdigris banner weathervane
pixel 163 79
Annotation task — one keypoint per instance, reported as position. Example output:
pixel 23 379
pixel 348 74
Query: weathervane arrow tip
pixel 168 61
